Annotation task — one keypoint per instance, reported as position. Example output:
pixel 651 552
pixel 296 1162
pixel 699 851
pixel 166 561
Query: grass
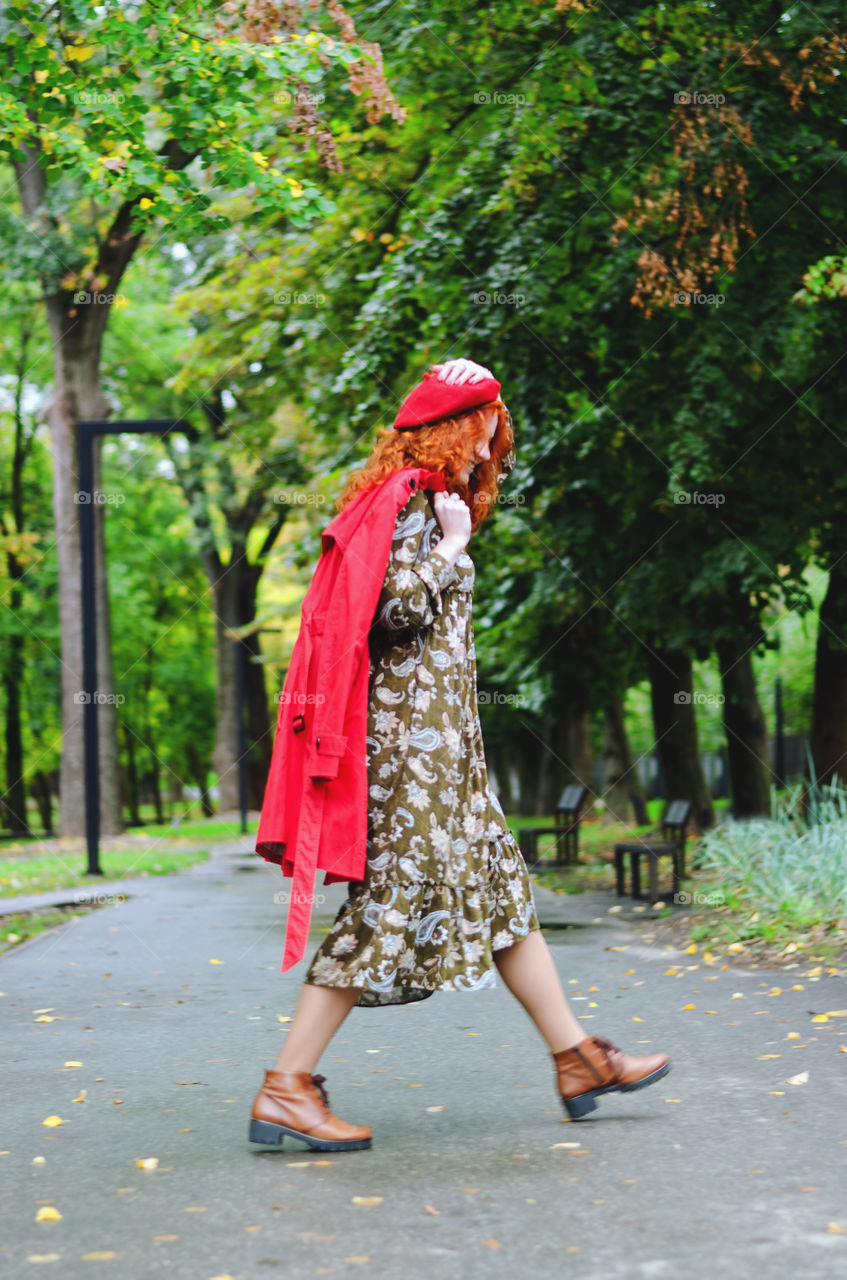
pixel 16 929
pixel 42 872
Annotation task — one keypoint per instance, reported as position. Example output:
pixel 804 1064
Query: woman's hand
pixel 455 520
pixel 457 372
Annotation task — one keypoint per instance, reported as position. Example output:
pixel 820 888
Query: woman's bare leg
pixel 528 971
pixel 320 1012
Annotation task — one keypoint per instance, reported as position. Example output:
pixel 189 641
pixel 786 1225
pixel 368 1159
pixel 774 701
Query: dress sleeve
pixel 417 573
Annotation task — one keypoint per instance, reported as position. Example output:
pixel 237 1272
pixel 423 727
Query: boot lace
pixel 319 1082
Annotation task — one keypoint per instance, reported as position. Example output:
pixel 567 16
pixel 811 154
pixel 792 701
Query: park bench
pixel 670 843
pixel 566 830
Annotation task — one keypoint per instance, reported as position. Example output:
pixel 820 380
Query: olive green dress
pixel 445 883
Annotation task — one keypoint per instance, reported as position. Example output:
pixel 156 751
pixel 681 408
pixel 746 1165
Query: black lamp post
pixel 86 431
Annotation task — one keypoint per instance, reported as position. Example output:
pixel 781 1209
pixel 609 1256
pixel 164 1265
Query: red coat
pixel 315 808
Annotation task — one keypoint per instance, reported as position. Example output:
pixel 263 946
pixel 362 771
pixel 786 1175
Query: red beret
pixel 431 400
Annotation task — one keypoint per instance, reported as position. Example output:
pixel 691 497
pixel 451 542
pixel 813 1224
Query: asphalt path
pixel 145 1027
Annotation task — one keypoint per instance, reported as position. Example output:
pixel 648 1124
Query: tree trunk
pixel 746 740
pixel 622 789
pixel 40 787
pixel 577 751
pixel 14 799
pixel 234 595
pixel 132 776
pixel 676 732
pixel 76 331
pixel 828 739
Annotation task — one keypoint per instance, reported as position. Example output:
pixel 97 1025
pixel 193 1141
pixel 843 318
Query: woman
pixel 445 900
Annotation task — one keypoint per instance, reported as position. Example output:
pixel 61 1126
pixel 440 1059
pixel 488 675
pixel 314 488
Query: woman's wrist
pixel 450 549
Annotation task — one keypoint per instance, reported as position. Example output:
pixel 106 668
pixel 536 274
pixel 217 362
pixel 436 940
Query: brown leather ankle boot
pixel 296 1104
pixel 595 1066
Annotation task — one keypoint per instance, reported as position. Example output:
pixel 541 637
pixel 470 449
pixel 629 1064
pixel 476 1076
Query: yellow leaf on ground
pixel 82 1096
pixel 45 1018
pixel 38 1160
pixel 835 1229
pixel 73 1063
pixel 820 1017
pixel 690 951
pixel 43 1257
pixel 802 1078
pixel 836 1013
pixel 52 1122
pixel 492 1244
pixel 216 962
pixel 357 1257
pixel 47 1214
pixel 280 1017
pixel 429 1209
pixel 637 1019
pixel 99 1255
pixel 793 1035
pixel 688 1006
pixel 367 1201
pixel 164 1239
pixel 149 1162
pixel 435 1108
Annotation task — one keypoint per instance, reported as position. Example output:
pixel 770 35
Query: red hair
pixel 448 446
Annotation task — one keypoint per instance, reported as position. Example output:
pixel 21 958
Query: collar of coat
pixel 314 813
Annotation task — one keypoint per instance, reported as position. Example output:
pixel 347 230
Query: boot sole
pixel 584 1102
pixel 271 1135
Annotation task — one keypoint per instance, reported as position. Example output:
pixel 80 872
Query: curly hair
pixel 447 446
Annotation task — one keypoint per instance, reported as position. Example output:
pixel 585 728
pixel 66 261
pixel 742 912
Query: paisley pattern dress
pixel 445 883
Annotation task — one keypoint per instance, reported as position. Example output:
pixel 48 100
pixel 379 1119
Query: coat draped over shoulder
pixel 315 808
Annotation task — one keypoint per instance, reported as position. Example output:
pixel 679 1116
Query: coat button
pixel 412 484
pixel 318 743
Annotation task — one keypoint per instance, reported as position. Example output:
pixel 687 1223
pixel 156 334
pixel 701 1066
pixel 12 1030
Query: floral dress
pixel 445 883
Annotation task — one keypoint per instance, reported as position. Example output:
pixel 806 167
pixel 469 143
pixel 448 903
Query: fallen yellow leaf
pixel 802 1078
pixel 637 1019
pixel 280 1017
pixel 216 962
pixel 45 1018
pixel 47 1214
pixel 149 1162
pixel 82 1096
pixel 690 951
pixel 820 1017
pixel 52 1122
pixel 73 1063
pixel 39 1160
pixel 688 1006
pixel 429 1209
pixel 793 1035
pixel 492 1244
pixel 99 1255
pixel 164 1239
pixel 568 1145
pixel 835 1229
pixel 836 1013
pixel 367 1201
pixel 357 1257
pixel 43 1257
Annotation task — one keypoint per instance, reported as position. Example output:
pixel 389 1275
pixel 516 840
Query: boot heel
pixel 578 1107
pixel 269 1134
